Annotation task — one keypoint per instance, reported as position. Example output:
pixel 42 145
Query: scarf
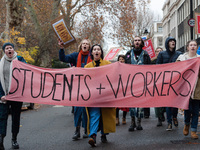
pixel 140 59
pixel 79 60
pixel 6 58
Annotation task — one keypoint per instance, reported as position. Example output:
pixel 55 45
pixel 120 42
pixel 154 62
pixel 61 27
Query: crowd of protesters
pixel 94 119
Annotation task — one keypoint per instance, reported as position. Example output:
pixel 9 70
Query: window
pixel 160 41
pixel 160 29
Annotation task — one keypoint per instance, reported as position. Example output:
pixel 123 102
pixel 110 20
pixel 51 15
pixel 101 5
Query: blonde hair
pixel 79 47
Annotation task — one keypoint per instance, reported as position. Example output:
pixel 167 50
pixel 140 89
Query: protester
pixel 121 58
pixel 78 59
pixel 157 51
pixel 191 115
pixel 7 106
pixel 159 111
pixel 99 118
pixel 169 56
pixel 137 56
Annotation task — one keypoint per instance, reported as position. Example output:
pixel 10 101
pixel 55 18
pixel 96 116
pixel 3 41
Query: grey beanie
pixel 6 44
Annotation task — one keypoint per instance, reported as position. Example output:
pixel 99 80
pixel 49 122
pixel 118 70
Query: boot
pixel 1 142
pixel 123 120
pixel 92 140
pixel 132 126
pixel 159 122
pixel 15 145
pixel 76 134
pixel 186 130
pixel 117 122
pixel 85 135
pixel 194 135
pixel 139 127
pixel 104 139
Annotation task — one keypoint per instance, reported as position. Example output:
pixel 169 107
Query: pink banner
pixel 149 48
pixel 113 85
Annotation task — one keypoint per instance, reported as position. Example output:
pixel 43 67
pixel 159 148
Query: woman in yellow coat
pixel 99 118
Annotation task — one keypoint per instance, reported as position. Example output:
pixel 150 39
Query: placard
pixel 62 32
pixel 197 23
pixel 112 53
pixel 148 46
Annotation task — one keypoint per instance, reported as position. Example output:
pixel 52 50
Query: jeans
pixel 80 115
pixel 171 112
pixel 138 112
pixel 192 114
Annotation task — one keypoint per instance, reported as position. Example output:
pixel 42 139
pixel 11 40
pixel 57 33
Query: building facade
pixel 156 34
pixel 176 14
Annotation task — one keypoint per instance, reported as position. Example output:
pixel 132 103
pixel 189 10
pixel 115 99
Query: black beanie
pixel 6 44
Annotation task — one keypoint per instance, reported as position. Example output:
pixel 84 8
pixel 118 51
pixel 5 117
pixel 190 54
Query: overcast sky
pixel 156 6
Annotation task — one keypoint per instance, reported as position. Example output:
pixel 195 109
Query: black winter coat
pixel 168 56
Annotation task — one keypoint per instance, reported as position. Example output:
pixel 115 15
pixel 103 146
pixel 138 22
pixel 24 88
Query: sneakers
pixel 194 135
pixel 175 122
pixel 186 130
pixel 92 141
pixel 169 127
pixel 104 139
pixel 15 145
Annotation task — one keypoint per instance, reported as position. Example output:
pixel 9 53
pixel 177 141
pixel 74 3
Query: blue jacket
pixel 168 56
pixel 20 58
pixel 70 58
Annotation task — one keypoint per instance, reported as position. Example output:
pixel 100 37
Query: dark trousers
pixel 15 110
pixel 146 112
pixel 117 113
pixel 171 113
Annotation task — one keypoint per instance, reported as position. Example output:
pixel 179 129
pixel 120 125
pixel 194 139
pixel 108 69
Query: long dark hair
pixel 142 42
pixel 92 49
pixel 123 56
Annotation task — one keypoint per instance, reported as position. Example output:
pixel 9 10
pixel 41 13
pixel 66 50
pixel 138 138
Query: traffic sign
pixel 191 22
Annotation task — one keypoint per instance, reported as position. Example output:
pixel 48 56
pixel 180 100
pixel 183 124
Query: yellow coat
pixel 108 114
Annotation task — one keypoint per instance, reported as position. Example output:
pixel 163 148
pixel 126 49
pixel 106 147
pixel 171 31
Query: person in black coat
pixel 169 56
pixel 137 56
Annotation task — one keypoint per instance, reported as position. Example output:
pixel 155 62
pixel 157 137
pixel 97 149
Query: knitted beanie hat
pixel 6 44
